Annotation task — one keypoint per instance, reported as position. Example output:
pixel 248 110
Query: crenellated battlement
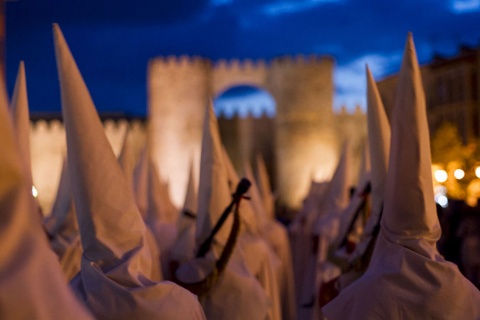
pixel 243 65
pixel 301 61
pixel 179 62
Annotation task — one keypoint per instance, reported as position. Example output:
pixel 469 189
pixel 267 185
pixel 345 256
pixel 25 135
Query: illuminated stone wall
pixel 48 151
pixel 306 144
pixel 301 143
pixel 178 93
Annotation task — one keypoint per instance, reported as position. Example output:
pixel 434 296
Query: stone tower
pixel 305 142
pixel 303 134
pixel 179 90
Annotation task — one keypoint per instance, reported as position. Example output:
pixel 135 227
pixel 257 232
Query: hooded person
pixel 62 227
pixel 407 278
pixel 31 282
pixel 21 122
pixel 275 234
pixel 300 233
pixel 259 257
pixel 126 160
pixel 379 142
pixel 140 182
pixel 232 291
pixel 264 187
pixel 116 267
pixel 161 218
pixel 354 216
pixel 325 230
pixel 184 248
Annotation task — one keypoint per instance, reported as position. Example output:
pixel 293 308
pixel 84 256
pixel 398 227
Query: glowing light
pixel 441 176
pixel 477 172
pixel 34 191
pixel 442 201
pixel 459 174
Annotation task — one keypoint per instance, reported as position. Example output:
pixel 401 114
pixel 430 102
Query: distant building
pixel 301 143
pixel 452 87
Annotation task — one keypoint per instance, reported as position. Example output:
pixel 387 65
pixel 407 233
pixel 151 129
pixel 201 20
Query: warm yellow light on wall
pixel 459 174
pixel 440 176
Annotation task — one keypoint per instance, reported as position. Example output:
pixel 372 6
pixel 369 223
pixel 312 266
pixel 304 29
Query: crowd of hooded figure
pixel 115 247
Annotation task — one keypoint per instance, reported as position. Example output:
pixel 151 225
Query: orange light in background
pixel 459 174
pixel 440 176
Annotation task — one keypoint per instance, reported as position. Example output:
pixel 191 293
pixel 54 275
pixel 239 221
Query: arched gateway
pixel 304 133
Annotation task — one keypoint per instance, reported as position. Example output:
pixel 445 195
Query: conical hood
pixel 379 142
pixel 62 214
pixel 21 117
pixel 109 221
pixel 263 182
pixel 246 210
pixel 160 207
pixel 127 159
pixel 365 166
pixel 140 182
pixel 338 193
pixel 191 197
pixel 410 211
pixel 213 192
pixel 28 267
pixel 256 198
pixel 405 266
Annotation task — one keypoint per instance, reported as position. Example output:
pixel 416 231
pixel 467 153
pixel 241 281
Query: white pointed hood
pixel 264 187
pixel 213 192
pixel 247 212
pixel 160 206
pixel 109 221
pixel 184 248
pixel 117 265
pixel 127 159
pixel 191 196
pixel 28 267
pixel 410 210
pixel 62 215
pixel 379 142
pixel 140 182
pixel 255 198
pixel 406 277
pixel 21 117
pixel 337 195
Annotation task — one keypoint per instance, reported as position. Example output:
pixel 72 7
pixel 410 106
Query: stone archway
pixel 302 132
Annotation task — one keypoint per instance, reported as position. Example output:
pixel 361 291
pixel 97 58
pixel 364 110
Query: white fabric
pixel 276 236
pixel 161 218
pixel 140 182
pixel 127 163
pixel 116 267
pixel 184 248
pixel 300 235
pixel 62 227
pixel 265 188
pixel 325 230
pixel 237 294
pixel 21 117
pixel 379 141
pixel 31 282
pixel 407 278
pixel 213 191
pixel 127 159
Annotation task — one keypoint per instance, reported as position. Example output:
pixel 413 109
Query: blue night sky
pixel 112 41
